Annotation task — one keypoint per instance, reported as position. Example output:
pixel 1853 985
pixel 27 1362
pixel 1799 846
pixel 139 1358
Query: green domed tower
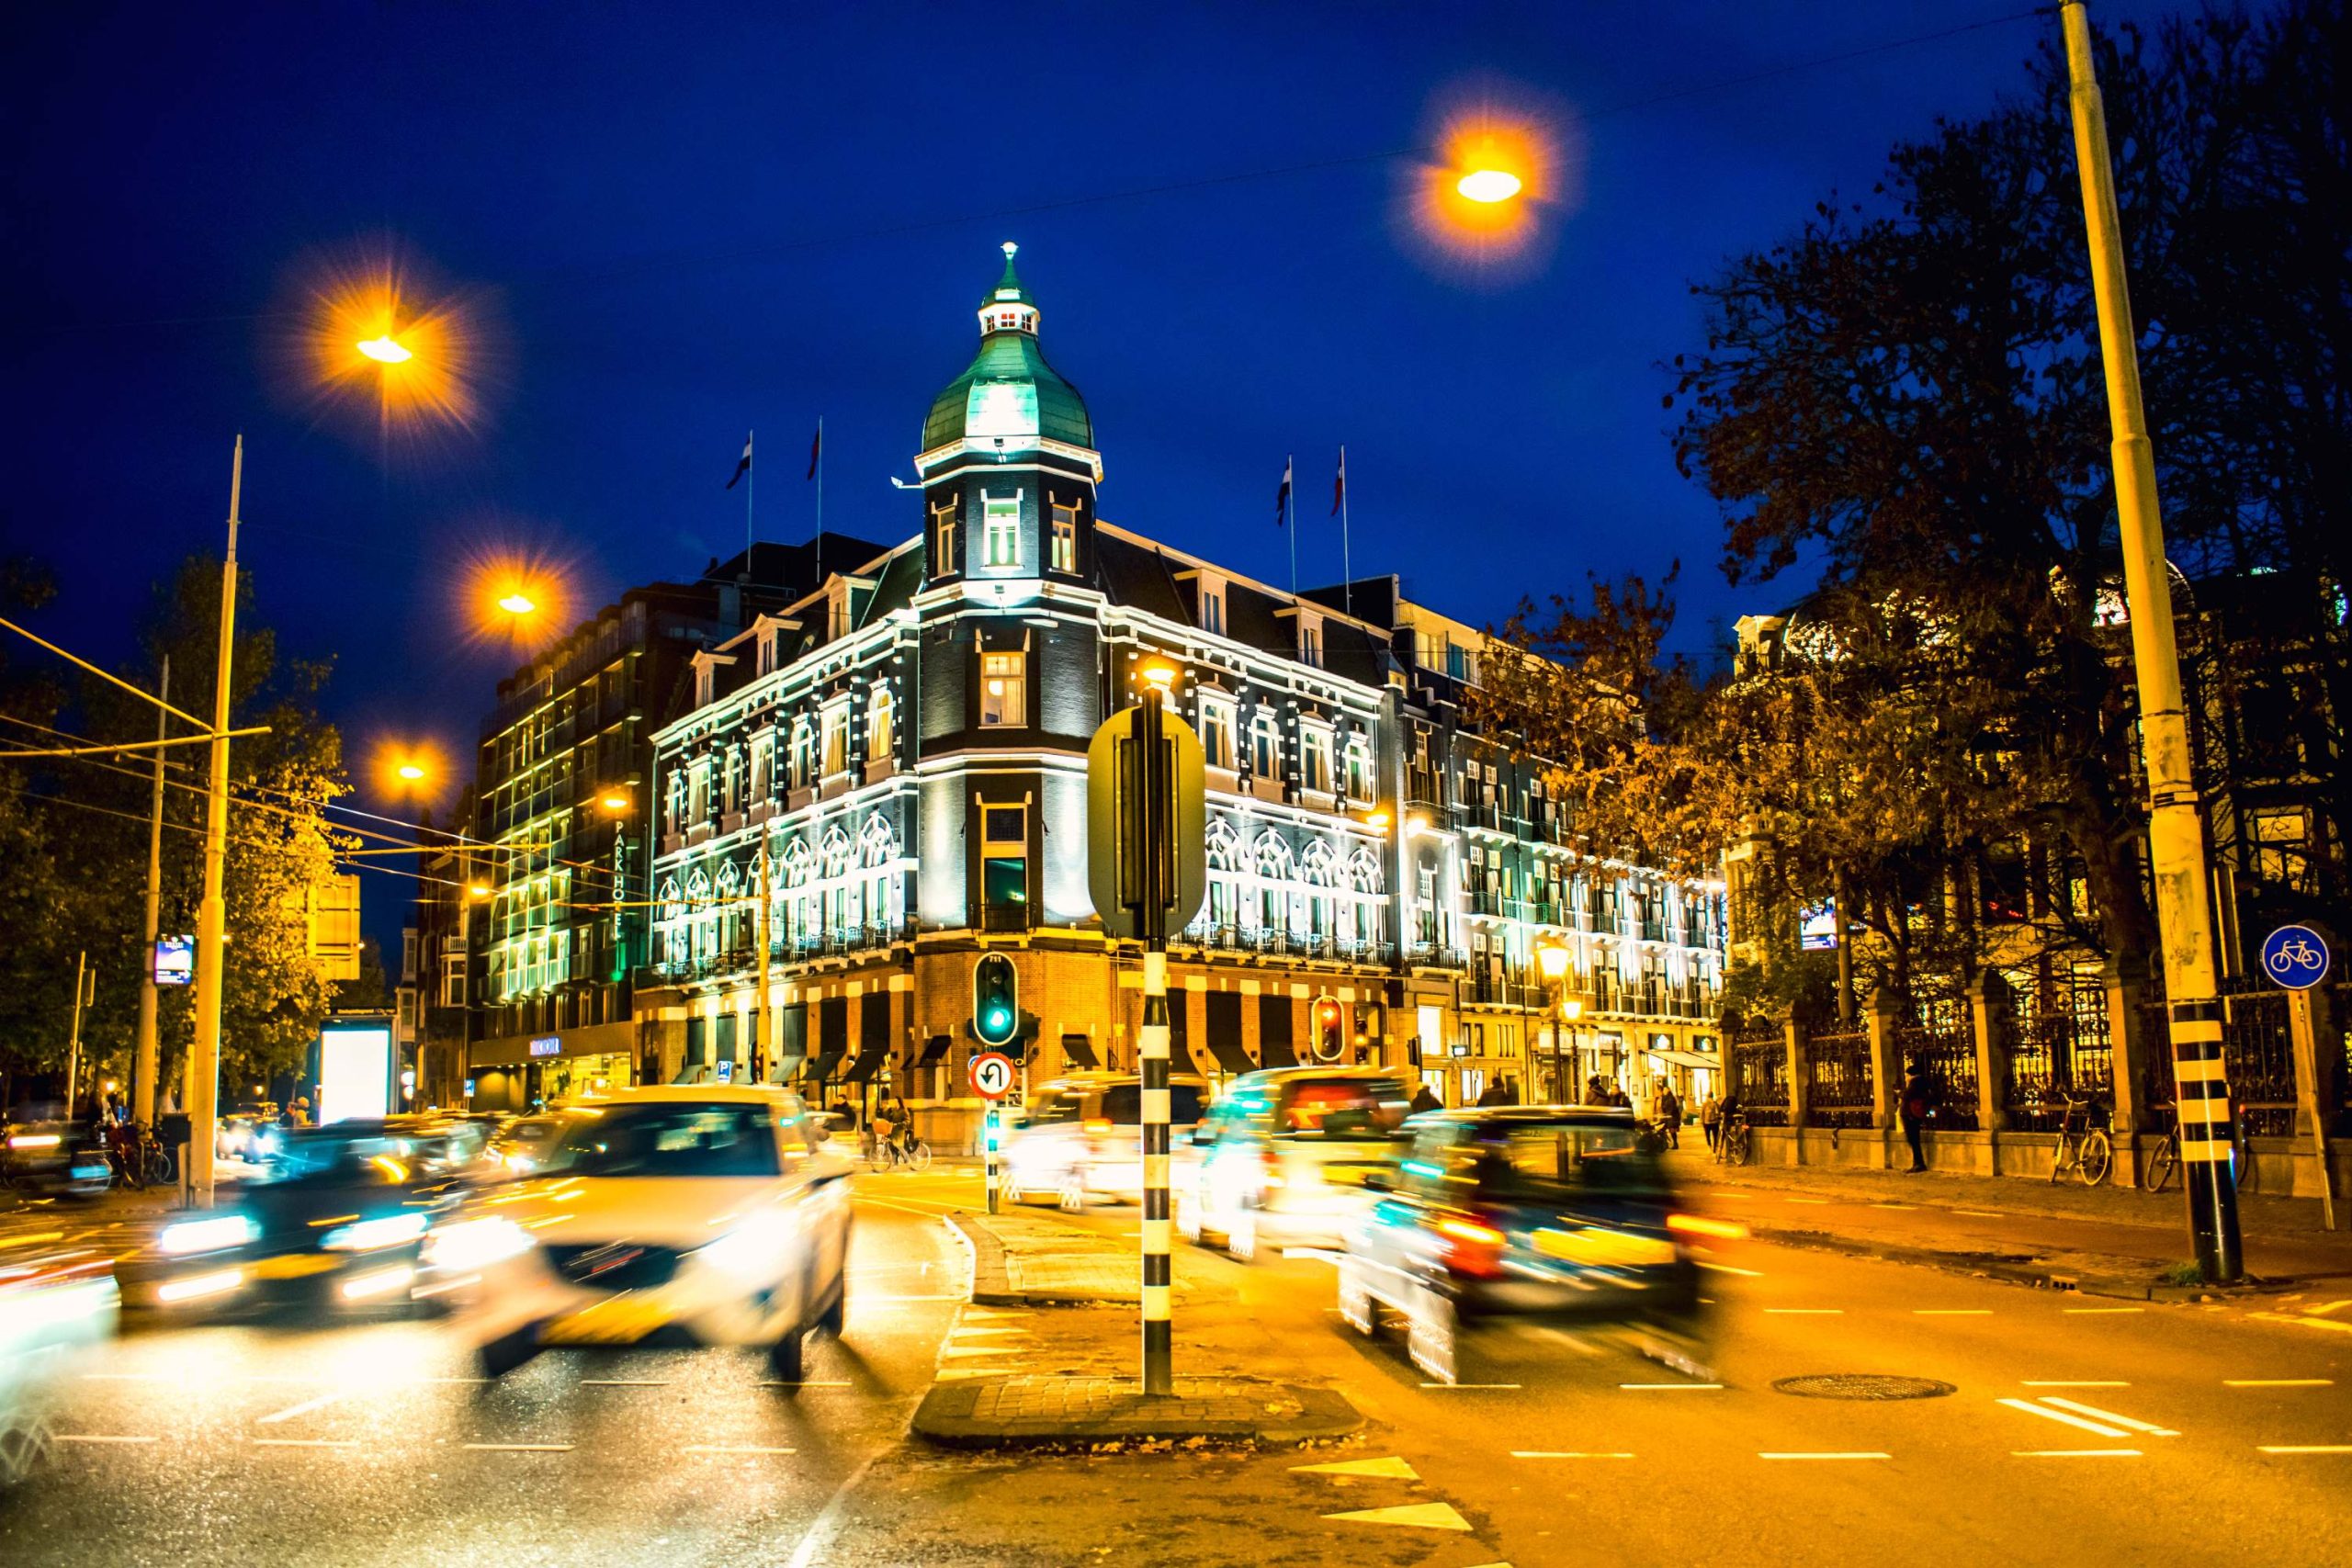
pixel 1007 461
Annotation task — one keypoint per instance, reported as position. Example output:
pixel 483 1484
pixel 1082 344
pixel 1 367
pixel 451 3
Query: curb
pixel 2015 1268
pixel 991 1284
pixel 947 1418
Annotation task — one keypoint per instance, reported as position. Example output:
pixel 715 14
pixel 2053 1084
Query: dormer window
pixel 704 677
pixel 1212 606
pixel 767 650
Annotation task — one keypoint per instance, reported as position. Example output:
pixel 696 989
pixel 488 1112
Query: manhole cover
pixel 1863 1385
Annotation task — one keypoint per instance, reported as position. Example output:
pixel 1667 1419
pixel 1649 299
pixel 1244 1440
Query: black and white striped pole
pixel 1152 808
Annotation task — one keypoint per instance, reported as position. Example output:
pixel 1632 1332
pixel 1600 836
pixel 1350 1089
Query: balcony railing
pixel 789 948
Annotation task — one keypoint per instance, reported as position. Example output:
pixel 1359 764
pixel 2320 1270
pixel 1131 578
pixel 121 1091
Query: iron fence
pixel 1838 1070
pixel 2061 1046
pixel 1763 1064
pixel 2337 1058
pixel 2257 1053
pixel 1941 1038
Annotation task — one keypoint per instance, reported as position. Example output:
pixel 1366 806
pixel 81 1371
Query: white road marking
pixel 1908 1207
pixel 2300 1322
pixel 732 1448
pixel 305 1442
pixel 1549 1453
pixel 2278 1382
pixel 519 1448
pixel 1664 1387
pixel 2325 1307
pixel 2267 1449
pixel 985 1350
pixel 1415 1515
pixel 2030 1408
pixel 1389 1468
pixel 1727 1269
pixel 2098 1312
pixel 2073 1383
pixel 98 1437
pixel 2095 1414
pixel 1951 1312
pixel 976 1330
pixel 1980 1213
pixel 1805 1199
pixel 308 1405
pixel 2075 1453
pixel 1824 1456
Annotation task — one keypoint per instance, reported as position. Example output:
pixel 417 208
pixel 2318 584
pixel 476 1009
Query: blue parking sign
pixel 2295 957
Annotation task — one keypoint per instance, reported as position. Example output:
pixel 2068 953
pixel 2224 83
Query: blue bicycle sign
pixel 2295 957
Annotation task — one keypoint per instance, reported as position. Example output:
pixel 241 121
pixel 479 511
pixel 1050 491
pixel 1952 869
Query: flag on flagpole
pixel 1282 496
pixel 744 466
pixel 816 450
pixel 1339 485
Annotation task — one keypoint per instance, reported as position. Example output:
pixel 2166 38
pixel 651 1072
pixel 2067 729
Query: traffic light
pixel 1329 1043
pixel 996 1000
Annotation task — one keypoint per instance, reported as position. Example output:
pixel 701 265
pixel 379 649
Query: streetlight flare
pixel 410 772
pixel 1488 184
pixel 518 603
pixel 386 350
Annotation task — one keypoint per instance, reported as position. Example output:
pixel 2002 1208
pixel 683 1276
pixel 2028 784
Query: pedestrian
pixel 1424 1101
pixel 1918 1104
pixel 1670 1112
pixel 1493 1095
pixel 1710 1118
pixel 1618 1097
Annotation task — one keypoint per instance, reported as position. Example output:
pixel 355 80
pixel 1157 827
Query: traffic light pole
pixel 2176 850
pixel 1156 785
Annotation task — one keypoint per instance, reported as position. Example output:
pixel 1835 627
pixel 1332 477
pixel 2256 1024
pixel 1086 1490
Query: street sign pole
pixel 1151 809
pixel 2176 848
pixel 989 1138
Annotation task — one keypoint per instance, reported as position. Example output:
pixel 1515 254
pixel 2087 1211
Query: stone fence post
pixel 1800 1088
pixel 1993 1012
pixel 1883 1018
pixel 2130 1046
pixel 2319 1058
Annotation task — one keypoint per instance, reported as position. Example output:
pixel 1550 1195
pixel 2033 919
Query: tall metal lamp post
pixel 1551 960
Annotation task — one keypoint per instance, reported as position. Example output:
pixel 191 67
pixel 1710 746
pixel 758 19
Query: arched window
pixel 671 905
pixel 804 753
pixel 837 852
pixel 1224 848
pixel 876 845
pixel 1274 857
pixel 881 710
pixel 1363 871
pixel 1274 864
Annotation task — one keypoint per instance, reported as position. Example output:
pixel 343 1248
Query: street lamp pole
pixel 762 1048
pixel 212 915
pixel 142 1057
pixel 2177 847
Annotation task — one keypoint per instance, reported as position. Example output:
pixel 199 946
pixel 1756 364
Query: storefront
pixel 522 1072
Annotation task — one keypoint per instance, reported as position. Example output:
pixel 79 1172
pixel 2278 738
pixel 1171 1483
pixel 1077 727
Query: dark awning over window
pixel 822 1066
pixel 935 1048
pixel 1079 1051
pixel 869 1061
pixel 1230 1056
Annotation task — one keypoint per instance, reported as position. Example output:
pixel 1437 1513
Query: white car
pixel 1081 1138
pixel 704 1214
pixel 1282 1156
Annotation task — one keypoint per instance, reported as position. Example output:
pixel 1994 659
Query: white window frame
pixel 1216 714
pixel 1001 531
pixel 1013 704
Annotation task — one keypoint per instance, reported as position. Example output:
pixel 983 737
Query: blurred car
pixel 53 1159
pixel 705 1214
pixel 1521 1216
pixel 53 1305
pixel 249 1132
pixel 1081 1138
pixel 1283 1156
pixel 519 1146
pixel 333 1222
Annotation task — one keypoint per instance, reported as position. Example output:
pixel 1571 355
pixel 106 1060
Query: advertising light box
pixel 355 1071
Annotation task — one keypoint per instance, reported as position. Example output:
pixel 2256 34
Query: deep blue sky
pixel 698 219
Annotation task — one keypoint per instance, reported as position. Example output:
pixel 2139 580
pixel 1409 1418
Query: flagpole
pixel 821 498
pixel 1346 571
pixel 751 485
pixel 1290 525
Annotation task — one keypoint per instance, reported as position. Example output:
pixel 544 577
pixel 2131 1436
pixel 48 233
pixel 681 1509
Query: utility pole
pixel 83 987
pixel 212 914
pixel 142 1059
pixel 2176 846
pixel 762 1048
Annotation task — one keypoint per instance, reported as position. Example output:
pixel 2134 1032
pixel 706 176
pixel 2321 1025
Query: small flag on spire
pixel 1339 485
pixel 816 450
pixel 744 466
pixel 1282 496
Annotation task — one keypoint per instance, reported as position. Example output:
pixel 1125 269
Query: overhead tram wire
pixel 682 259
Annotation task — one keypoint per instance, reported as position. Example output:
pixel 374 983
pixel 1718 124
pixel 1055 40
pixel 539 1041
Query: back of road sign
pixel 1113 842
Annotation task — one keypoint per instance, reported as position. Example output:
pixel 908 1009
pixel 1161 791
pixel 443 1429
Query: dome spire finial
pixel 1009 307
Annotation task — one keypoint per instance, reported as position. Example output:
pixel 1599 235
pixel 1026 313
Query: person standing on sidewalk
pixel 1918 1104
pixel 1669 1116
pixel 1710 1118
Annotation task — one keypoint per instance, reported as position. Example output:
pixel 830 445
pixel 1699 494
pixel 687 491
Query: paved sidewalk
pixel 1023 1258
pixel 1027 1412
pixel 2104 1240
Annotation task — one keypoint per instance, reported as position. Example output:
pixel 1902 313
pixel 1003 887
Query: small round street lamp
pixel 1489 185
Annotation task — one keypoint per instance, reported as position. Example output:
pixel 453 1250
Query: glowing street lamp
pixel 1159 673
pixel 1489 185
pixel 614 801
pixel 410 773
pixel 1552 960
pixel 388 350
pixel 518 603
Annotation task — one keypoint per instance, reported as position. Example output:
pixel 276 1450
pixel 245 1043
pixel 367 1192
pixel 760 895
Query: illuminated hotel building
pixel 904 747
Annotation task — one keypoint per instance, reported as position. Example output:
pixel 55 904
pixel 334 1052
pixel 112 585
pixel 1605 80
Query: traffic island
pixel 1031 1260
pixel 1026 1411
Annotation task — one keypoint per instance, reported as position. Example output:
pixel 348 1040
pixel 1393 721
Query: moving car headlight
pixel 264 1141
pixel 213 1234
pixel 474 1244
pixel 753 1249
pixel 389 1230
pixel 34 1141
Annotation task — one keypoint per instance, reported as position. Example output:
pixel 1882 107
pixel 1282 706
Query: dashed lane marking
pixel 1414 1516
pixel 1805 1199
pixel 517 1447
pixel 2075 1453
pixel 975 1330
pixel 307 1406
pixel 1823 1456
pixel 969 1351
pixel 1554 1454
pixel 1980 1213
pixel 1727 1269
pixel 2280 1447
pixel 2324 1308
pixel 99 1437
pixel 2095 1414
pixel 2278 1382
pixel 1908 1208
pixel 1390 1468
pixel 2098 1312
pixel 2326 1323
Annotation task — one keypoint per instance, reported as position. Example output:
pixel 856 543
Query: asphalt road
pixel 2077 1432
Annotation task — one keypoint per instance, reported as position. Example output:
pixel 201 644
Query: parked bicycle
pixel 2166 1157
pixel 139 1158
pixel 1731 1140
pixel 901 1150
pixel 2084 1146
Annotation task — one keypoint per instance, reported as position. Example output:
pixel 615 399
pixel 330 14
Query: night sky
pixel 691 220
